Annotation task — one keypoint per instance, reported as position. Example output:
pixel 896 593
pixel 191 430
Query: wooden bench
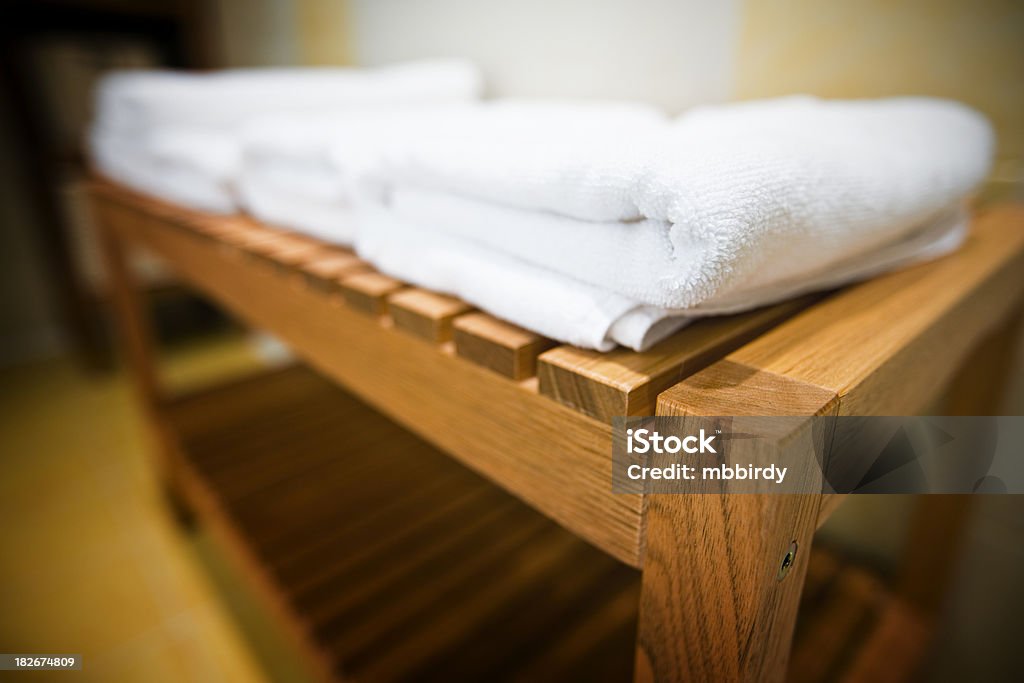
pixel 533 417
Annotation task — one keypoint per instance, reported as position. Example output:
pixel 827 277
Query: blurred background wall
pixel 672 52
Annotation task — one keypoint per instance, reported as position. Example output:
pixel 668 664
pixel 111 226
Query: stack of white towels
pixel 604 224
pixel 179 135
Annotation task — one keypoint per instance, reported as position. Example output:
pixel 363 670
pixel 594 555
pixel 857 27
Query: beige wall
pixel 967 50
pixel 670 52
pixel 675 53
pixel 324 31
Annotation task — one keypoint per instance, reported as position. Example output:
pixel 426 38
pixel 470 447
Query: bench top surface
pixel 534 415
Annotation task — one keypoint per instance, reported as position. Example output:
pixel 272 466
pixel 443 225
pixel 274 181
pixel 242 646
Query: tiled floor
pixel 92 562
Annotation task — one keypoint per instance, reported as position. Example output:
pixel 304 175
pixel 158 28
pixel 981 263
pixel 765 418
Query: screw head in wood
pixel 787 561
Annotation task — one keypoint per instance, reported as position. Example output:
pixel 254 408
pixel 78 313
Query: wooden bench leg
pixel 133 329
pixel 721 584
pixel 720 588
pixel 130 318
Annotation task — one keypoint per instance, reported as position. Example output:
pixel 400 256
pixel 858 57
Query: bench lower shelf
pixel 386 560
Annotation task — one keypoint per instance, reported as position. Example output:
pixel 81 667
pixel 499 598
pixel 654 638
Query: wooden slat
pixel 208 228
pixel 554 458
pixel 292 255
pixel 368 292
pixel 267 249
pixel 499 346
pixel 425 314
pixel 325 272
pixel 248 237
pixel 625 382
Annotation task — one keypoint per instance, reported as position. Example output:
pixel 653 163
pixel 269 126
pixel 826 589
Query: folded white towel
pixel 561 307
pixel 731 199
pixel 577 158
pixel 538 299
pixel 729 208
pixel 301 171
pixel 187 168
pixel 289 177
pixel 176 135
pixel 137 101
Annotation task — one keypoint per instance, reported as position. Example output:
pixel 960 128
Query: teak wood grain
pixel 425 314
pixel 291 256
pixel 887 346
pixel 325 272
pixel 552 457
pixel 503 347
pixel 368 292
pixel 712 606
pixel 626 382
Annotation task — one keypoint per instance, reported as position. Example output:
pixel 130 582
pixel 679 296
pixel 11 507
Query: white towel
pixel 289 177
pixel 731 208
pixel 576 158
pixel 564 308
pixel 175 135
pixel 731 199
pixel 185 167
pixel 538 299
pixel 138 101
pixel 301 171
